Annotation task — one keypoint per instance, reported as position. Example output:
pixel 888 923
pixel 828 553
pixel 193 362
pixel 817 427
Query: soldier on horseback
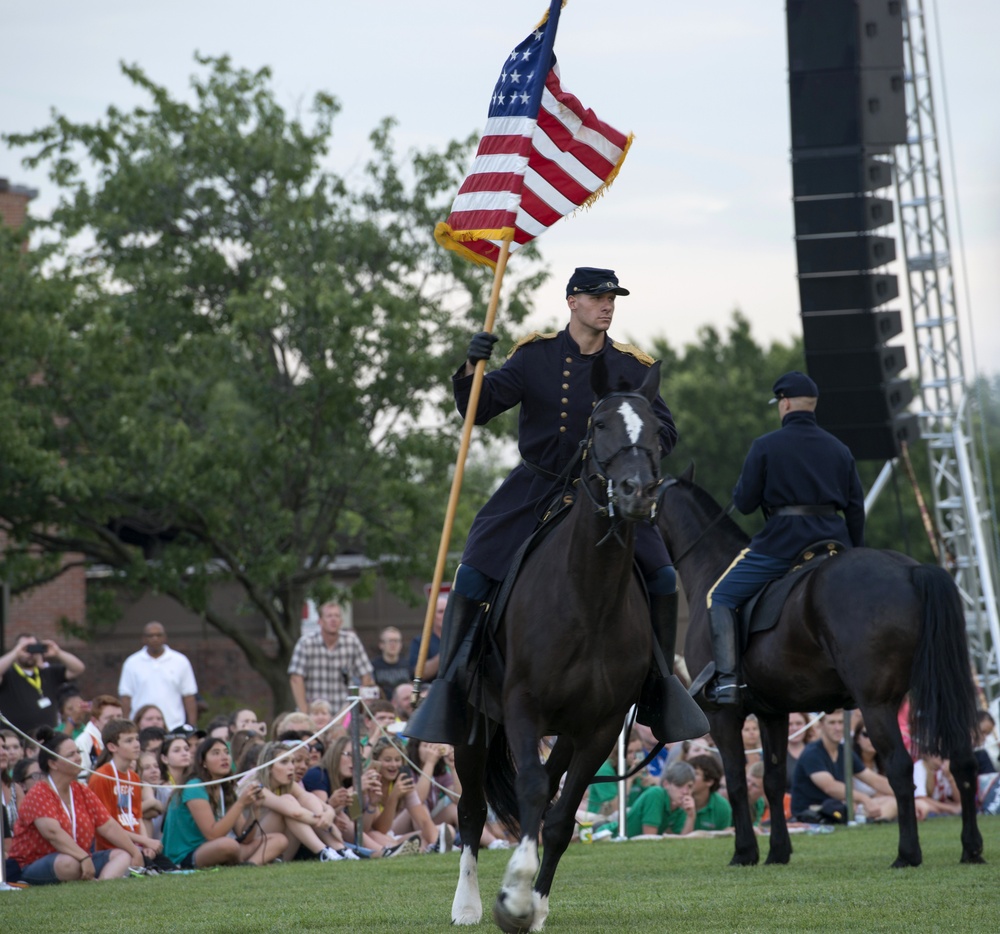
pixel 806 482
pixel 549 376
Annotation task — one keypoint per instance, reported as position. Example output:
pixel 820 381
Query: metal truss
pixel 963 519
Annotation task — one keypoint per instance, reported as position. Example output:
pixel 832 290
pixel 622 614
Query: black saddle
pixel 762 610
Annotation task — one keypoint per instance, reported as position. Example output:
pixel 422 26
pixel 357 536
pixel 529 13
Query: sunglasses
pixel 317 747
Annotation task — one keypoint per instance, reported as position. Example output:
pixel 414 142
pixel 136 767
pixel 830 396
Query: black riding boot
pixel 723 689
pixel 663 611
pixel 664 705
pixel 443 716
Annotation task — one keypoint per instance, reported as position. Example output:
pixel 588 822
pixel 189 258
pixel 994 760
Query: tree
pixel 224 363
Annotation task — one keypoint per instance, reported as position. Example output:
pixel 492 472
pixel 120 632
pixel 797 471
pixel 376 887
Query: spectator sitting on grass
pixel 377 716
pixel 321 711
pixel 117 786
pixel 667 808
pixel 332 781
pixel 175 759
pixel 151 739
pixel 245 719
pixel 399 809
pixel 200 819
pixel 713 812
pixel 149 715
pixel 286 808
pixel 755 793
pixel 241 741
pixel 60 819
pixel 152 781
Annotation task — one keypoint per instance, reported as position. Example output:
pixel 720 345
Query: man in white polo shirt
pixel 158 675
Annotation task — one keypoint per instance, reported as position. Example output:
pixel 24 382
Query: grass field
pixel 836 882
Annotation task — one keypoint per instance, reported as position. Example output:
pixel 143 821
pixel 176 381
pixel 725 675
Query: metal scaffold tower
pixel 964 523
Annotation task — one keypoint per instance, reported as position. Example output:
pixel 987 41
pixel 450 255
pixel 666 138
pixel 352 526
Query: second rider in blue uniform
pixel 806 482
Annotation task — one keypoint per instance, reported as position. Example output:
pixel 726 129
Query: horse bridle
pixel 601 468
pixel 673 481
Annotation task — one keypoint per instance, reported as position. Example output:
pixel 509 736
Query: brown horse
pixel 862 630
pixel 575 604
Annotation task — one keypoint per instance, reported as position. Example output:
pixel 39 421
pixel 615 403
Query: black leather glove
pixel 481 346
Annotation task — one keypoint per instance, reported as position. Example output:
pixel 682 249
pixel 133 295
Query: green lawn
pixel 835 882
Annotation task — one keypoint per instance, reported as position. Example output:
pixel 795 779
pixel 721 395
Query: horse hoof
pixel 974 858
pixel 903 864
pixel 508 922
pixel 744 861
pixel 773 860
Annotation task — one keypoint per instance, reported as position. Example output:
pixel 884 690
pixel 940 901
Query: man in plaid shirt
pixel 324 663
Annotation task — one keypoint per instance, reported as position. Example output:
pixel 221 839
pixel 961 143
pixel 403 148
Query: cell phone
pixel 246 782
pixel 36 648
pixel 354 808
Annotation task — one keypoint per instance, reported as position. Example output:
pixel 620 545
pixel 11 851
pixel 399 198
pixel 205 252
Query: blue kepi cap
pixel 587 280
pixel 794 384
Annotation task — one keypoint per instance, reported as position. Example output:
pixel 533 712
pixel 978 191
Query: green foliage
pixel 228 361
pixel 836 882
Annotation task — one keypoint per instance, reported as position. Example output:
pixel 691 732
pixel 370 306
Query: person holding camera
pixel 208 824
pixel 30 676
pixel 400 813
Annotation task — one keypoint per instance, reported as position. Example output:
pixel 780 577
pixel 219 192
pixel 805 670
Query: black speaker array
pixel 848 110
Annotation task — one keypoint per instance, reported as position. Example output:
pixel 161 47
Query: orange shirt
pixel 123 801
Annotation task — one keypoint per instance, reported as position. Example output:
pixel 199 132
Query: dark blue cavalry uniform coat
pixel 800 464
pixel 548 376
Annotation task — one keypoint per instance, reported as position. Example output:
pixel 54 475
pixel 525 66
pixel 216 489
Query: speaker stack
pixel 848 111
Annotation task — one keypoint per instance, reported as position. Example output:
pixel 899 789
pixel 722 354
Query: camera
pixel 36 648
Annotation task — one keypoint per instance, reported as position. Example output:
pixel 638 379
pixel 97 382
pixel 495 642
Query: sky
pixel 699 221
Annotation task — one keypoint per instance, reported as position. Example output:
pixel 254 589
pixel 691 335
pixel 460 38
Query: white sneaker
pixel 498 844
pixel 329 855
pixel 409 847
pixel 348 853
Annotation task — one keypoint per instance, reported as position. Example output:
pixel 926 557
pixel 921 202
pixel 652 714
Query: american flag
pixel 542 156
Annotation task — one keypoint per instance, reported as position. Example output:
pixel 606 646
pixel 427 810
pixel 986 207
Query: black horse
pixel 862 630
pixel 576 641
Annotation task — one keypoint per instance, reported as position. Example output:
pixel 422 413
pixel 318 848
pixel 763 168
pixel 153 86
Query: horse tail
pixel 942 696
pixel 498 782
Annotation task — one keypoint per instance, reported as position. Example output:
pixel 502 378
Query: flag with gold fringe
pixel 542 156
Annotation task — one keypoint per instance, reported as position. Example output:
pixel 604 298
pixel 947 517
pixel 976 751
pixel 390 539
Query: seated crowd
pixel 112 796
pixel 116 796
pixel 682 791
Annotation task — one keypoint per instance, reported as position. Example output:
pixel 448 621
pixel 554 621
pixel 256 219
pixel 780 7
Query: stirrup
pixel 724 691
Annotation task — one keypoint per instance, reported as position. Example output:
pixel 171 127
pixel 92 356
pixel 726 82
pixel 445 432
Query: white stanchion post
pixel 622 798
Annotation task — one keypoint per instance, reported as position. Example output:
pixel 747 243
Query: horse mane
pixel 711 509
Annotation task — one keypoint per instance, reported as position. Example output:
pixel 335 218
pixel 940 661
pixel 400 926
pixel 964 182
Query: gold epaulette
pixel 634 351
pixel 531 338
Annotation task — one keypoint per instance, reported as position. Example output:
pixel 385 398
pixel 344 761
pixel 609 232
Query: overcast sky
pixel 699 221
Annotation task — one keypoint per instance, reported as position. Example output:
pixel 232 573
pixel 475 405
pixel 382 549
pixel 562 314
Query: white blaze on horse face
pixel 633 424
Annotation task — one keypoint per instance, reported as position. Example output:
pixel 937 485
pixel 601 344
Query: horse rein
pixel 673 481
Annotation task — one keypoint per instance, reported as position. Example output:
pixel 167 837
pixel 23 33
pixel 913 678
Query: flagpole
pixel 456 481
